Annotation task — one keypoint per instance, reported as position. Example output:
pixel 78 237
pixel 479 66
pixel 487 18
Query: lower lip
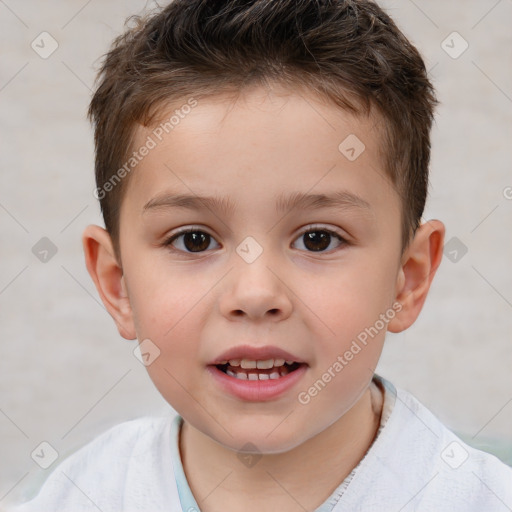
pixel 257 390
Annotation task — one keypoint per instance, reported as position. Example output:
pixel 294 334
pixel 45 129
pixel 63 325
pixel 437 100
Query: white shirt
pixel 414 464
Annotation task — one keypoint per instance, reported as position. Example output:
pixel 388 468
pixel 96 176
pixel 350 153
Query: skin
pixel 195 305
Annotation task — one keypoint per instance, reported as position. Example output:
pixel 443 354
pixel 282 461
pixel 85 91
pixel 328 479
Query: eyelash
pixel 313 229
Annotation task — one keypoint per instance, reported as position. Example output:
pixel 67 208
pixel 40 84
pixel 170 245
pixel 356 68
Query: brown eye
pixel 191 240
pixel 318 240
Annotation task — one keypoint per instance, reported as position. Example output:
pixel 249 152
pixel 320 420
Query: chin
pixel 259 439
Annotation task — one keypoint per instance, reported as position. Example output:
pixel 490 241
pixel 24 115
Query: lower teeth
pixel 275 374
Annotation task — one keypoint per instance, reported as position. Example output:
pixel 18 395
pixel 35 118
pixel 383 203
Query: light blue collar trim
pixel 188 503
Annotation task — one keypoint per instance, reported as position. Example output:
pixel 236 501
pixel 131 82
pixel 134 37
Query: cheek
pixel 170 307
pixel 350 333
pixel 172 319
pixel 352 300
pixel 162 298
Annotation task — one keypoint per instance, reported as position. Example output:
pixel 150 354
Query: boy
pixel 262 169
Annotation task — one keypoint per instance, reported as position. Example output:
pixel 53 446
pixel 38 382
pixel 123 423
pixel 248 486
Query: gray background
pixel 65 373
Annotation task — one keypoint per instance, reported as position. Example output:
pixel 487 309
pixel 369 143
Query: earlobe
pixel 419 265
pixel 108 278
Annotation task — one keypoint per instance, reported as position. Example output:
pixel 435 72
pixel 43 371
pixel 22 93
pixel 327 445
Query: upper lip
pixel 255 354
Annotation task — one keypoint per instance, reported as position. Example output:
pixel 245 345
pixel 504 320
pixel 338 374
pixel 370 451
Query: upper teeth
pixel 250 363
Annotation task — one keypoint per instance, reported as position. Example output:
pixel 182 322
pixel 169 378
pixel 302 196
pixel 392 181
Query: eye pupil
pixel 195 237
pixel 317 237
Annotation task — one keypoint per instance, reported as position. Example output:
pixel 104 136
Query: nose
pixel 257 292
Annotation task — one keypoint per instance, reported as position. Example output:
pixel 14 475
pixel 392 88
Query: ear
pixel 418 267
pixel 108 277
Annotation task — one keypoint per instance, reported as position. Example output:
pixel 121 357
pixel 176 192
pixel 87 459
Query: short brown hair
pixel 348 51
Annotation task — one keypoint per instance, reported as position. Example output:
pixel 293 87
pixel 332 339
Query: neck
pixel 281 481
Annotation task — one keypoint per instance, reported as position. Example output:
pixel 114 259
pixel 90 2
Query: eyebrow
pixel 341 200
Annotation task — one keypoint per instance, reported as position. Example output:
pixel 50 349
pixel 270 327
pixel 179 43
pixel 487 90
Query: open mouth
pixel 258 370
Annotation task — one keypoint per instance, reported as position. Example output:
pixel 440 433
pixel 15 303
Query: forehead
pixel 270 140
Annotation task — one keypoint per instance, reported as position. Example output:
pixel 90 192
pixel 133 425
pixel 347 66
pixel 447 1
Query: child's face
pixel 311 297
